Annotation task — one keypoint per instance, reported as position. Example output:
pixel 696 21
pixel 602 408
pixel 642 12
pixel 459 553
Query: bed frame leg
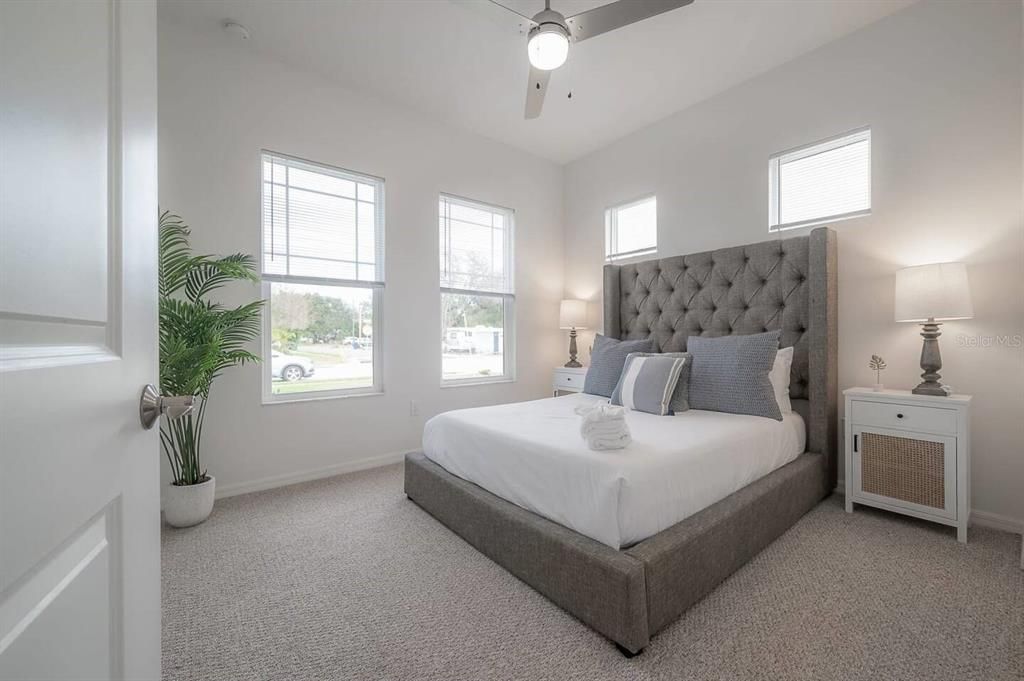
pixel 626 653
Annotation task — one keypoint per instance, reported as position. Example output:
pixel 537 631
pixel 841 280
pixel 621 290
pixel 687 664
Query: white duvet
pixel 531 454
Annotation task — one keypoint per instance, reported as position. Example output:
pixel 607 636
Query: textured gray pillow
pixel 680 396
pixel 606 362
pixel 648 382
pixel 730 374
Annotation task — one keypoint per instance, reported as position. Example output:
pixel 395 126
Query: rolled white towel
pixel 603 429
pixel 605 443
pixel 602 412
pixel 603 426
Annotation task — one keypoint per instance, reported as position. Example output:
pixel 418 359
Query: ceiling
pixel 463 62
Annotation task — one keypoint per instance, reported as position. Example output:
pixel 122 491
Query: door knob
pixel 152 404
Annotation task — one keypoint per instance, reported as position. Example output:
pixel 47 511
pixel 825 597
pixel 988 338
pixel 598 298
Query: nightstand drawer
pixel 568 381
pixel 920 419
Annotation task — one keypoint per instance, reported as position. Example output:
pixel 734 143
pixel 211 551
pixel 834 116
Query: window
pixel 822 182
pixel 631 229
pixel 322 265
pixel 477 292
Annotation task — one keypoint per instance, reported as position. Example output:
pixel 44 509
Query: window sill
pixel 311 397
pixel 627 258
pixel 474 382
pixel 817 222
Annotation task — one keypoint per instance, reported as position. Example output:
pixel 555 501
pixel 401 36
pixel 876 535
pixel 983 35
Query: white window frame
pixel 508 299
pixel 776 161
pixel 377 388
pixel 611 230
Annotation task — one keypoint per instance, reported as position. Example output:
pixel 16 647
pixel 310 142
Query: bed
pixel 651 546
pixel 531 453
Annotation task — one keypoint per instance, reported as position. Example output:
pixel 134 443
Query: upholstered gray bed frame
pixel 631 594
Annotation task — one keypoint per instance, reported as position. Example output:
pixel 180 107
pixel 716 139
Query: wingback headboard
pixel 787 284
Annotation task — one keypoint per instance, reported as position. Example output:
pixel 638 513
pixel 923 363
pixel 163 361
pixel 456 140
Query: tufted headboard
pixel 787 284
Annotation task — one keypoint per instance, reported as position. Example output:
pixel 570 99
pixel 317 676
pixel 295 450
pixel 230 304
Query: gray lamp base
pixel 572 363
pixel 931 361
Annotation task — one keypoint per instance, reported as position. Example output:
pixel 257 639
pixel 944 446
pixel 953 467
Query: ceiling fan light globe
pixel 548 48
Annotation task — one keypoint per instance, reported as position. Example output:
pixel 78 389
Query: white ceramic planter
pixel 187 505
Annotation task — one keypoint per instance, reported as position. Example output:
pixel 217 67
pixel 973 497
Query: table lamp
pixel 929 295
pixel 572 315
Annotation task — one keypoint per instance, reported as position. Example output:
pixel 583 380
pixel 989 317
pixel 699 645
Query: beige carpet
pixel 347 579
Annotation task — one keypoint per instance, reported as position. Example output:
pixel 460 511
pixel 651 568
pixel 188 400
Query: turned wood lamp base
pixel 931 361
pixel 572 363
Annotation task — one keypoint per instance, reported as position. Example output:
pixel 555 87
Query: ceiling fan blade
pixel 616 15
pixel 503 16
pixel 509 9
pixel 536 88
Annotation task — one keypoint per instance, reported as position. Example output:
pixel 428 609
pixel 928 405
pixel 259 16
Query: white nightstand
pixel 566 380
pixel 909 454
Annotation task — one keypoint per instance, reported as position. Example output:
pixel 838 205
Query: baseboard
pixel 261 484
pixel 995 521
pixel 992 521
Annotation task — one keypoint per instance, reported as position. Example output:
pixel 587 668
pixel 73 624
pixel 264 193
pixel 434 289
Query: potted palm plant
pixel 199 339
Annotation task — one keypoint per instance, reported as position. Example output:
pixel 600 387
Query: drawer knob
pixel 899 416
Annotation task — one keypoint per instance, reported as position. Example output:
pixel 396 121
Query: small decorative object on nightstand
pixel 878 365
pixel 568 380
pixel 909 454
pixel 929 295
pixel 572 315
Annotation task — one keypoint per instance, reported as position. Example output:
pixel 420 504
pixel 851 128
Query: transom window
pixel 322 265
pixel 631 229
pixel 477 291
pixel 822 182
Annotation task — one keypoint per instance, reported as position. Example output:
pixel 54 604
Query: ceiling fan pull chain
pixel 571 71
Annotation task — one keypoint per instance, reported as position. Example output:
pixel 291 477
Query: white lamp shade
pixel 573 314
pixel 939 291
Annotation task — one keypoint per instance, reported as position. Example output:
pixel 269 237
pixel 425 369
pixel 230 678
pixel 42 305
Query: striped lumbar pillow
pixel 647 383
pixel 680 397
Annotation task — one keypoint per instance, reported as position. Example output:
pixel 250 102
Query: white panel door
pixel 79 477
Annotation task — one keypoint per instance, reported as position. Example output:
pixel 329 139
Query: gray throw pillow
pixel 606 362
pixel 681 395
pixel 648 382
pixel 730 374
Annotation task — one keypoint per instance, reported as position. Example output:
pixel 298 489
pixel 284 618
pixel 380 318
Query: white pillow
pixel 779 377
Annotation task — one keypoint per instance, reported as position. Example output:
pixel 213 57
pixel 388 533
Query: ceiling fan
pixel 549 34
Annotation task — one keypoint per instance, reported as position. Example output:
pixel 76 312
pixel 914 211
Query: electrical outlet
pixel 414 409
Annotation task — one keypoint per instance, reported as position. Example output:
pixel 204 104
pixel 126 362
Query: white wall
pixel 220 103
pixel 940 85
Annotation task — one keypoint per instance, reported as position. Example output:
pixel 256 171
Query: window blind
pixel 322 223
pixel 476 246
pixel 822 182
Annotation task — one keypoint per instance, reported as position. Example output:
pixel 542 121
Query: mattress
pixel 531 454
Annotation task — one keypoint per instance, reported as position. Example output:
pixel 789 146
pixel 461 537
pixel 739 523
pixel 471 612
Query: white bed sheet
pixel 531 454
